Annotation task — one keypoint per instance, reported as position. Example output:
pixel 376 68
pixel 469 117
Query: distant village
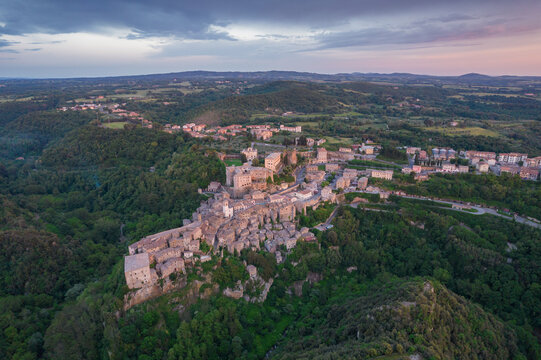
pixel 445 160
pixel 116 110
pixel 260 132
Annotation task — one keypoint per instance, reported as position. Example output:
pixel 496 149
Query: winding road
pixel 479 210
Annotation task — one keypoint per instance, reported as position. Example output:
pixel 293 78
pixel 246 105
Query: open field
pixel 308 116
pixel 314 116
pixel 471 131
pixel 306 123
pixel 231 162
pixel 115 125
pixel 495 94
pixel 373 126
pixel 260 116
pixel 336 140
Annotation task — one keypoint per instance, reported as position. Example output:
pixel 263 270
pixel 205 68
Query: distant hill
pixel 404 320
pixel 400 78
pixel 278 96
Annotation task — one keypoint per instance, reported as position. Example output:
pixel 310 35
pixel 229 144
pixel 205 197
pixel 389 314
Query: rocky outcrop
pixel 236 293
pixel 145 293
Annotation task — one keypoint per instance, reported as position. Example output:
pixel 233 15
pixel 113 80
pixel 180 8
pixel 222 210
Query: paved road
pixel 265 144
pixel 480 210
pixel 300 174
pixel 356 205
pixel 390 162
pixel 323 226
pixel 299 179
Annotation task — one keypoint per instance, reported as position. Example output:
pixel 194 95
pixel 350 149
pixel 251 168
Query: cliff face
pixel 153 291
pixel 413 319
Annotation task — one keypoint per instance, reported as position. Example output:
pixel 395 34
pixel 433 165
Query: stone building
pixel 262 134
pixel 482 166
pixel 287 213
pixel 529 173
pixel 332 167
pixel 340 156
pixel 486 155
pixel 173 265
pixel 327 194
pixel 294 129
pixel 321 155
pixel 382 174
pixel 350 173
pixel 368 150
pixel 317 176
pixel 512 158
pixel 291 157
pixel 510 169
pixel 214 186
pixel 533 162
pixel 272 161
pixel 166 254
pixel 449 168
pixel 362 183
pixel 242 181
pixel 342 182
pixel 137 270
pixel 246 177
pixel 258 195
pixel 250 153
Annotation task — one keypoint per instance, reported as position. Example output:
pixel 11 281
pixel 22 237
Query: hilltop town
pixel 252 211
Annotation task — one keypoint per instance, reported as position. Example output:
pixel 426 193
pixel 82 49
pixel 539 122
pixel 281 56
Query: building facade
pixel 250 153
pixel 272 161
pixel 137 270
pixel 382 174
pixel 321 155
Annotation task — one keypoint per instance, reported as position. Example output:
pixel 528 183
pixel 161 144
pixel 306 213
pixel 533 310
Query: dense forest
pixel 279 97
pixel 505 191
pixel 65 219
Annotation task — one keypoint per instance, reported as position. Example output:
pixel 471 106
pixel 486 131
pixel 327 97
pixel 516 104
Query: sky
pixel 74 38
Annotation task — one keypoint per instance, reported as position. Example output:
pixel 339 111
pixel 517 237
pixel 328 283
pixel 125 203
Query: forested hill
pixel 395 319
pixel 275 97
pixel 66 217
pixel 405 78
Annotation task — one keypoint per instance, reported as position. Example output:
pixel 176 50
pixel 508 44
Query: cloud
pixel 140 36
pixel 4 43
pixel 46 42
pixel 188 19
pixel 452 18
pixel 449 29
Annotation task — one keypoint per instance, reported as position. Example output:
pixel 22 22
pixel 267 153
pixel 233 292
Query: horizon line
pixel 355 73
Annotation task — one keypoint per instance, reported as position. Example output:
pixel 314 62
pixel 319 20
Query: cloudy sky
pixel 65 38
